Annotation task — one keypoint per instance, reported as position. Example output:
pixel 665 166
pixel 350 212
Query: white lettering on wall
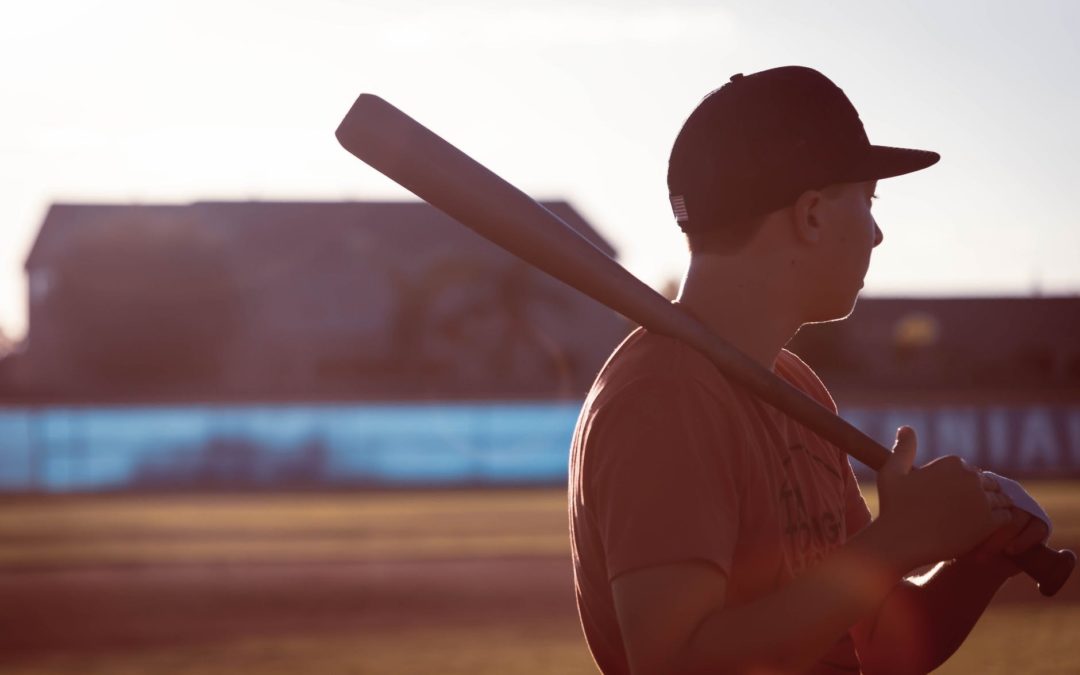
pixel 1016 440
pixel 998 448
pixel 1074 436
pixel 1039 447
pixel 956 432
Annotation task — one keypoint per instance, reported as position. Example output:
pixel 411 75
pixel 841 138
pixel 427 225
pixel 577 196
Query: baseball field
pixel 365 582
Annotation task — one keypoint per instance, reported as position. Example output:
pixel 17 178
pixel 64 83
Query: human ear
pixel 806 215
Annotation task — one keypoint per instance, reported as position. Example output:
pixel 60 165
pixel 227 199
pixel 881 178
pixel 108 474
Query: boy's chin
pixel 835 311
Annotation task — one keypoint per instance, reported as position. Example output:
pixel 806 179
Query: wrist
pixel 894 544
pixel 996 566
pixel 886 549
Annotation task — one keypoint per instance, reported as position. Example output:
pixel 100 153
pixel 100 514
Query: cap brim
pixel 883 161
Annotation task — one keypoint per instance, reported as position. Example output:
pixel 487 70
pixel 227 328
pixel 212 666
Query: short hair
pixel 726 238
pixel 732 236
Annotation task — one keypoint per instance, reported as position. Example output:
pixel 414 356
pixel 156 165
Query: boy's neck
pixel 746 302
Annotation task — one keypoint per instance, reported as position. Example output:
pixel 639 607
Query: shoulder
pixel 657 392
pixel 657 367
pixel 802 376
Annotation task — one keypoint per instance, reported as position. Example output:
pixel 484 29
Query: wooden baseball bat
pixel 448 179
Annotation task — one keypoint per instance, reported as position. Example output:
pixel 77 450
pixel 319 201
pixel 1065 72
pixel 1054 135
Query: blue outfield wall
pixel 60 449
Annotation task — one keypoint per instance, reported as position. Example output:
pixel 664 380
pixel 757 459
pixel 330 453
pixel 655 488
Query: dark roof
pixel 298 227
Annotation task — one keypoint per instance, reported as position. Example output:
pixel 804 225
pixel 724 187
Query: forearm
pixel 920 626
pixel 792 628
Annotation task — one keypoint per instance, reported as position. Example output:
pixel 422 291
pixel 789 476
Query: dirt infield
pixel 97 586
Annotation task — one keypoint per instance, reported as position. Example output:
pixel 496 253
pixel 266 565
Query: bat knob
pixel 1049 568
pixel 1055 577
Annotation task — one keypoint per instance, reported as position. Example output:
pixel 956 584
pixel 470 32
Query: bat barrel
pixel 448 179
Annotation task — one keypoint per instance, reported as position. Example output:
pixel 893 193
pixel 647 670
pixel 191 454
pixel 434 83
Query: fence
pixel 60 449
pixel 86 448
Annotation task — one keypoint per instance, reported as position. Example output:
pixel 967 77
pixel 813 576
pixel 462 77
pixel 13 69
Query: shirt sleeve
pixel 664 481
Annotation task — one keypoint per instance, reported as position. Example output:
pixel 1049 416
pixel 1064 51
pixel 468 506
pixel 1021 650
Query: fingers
pixel 903 454
pixel 1034 532
pixel 1013 536
pixel 998 500
pixel 989 483
pixel 996 542
pixel 1001 511
pixel 1000 516
pixel 1001 507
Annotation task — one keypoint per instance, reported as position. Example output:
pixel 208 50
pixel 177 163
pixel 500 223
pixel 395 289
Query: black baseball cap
pixel 758 142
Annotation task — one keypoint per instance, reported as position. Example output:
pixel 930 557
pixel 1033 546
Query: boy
pixel 710 533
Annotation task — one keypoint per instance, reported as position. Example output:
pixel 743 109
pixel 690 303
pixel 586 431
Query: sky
pixel 163 101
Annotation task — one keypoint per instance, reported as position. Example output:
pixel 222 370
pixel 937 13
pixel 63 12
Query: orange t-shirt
pixel 671 461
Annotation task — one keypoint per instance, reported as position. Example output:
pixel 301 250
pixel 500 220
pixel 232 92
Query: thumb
pixel 903 454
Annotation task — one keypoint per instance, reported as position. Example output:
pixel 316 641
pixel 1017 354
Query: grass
pixel 86 532
pixel 148 529
pixel 522 649
pixel 70 531
pixel 1035 640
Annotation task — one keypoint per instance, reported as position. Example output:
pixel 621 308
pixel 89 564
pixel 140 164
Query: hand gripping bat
pixel 451 181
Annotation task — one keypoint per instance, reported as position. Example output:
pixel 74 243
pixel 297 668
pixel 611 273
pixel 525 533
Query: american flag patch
pixel 678 205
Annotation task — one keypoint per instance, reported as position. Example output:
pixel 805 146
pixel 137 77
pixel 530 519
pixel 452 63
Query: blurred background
pixel 263 412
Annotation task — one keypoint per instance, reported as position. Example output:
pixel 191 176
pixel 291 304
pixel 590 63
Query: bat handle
pixel 1049 568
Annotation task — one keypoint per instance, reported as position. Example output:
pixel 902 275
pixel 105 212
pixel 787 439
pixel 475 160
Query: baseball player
pixel 710 532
